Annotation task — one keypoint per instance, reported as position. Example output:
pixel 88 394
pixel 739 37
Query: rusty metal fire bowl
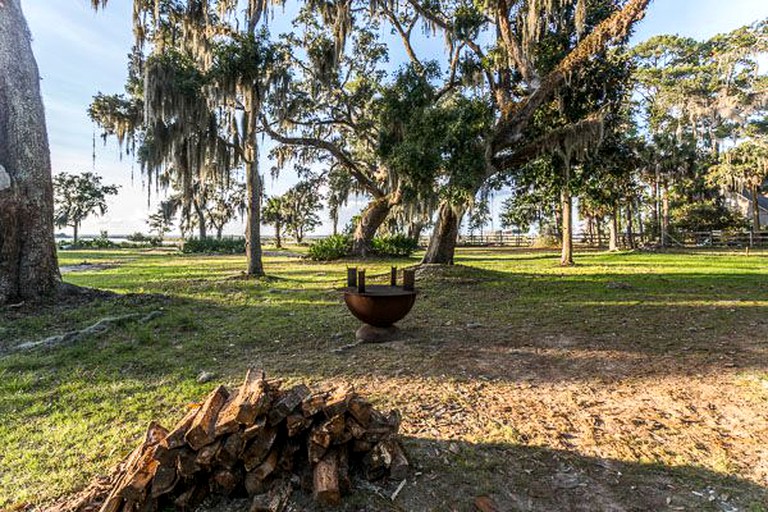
pixel 379 306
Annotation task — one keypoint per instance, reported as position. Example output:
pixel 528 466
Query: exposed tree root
pixel 99 327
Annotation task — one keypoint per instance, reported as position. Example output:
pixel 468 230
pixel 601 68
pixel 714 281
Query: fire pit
pixel 379 306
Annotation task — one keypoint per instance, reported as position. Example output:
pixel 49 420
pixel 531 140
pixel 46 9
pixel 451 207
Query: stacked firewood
pixel 259 440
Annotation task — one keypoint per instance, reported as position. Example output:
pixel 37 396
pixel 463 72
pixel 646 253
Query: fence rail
pixel 687 239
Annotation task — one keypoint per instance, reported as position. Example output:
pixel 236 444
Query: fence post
pixel 750 240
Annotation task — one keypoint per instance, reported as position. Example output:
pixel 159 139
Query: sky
pixel 81 52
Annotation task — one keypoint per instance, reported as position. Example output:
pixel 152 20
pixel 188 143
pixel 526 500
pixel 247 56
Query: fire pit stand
pixel 379 306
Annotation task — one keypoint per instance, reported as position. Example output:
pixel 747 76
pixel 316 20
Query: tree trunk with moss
pixel 28 265
pixel 371 219
pixel 566 256
pixel 442 244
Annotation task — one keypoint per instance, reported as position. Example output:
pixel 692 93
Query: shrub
pixel 706 216
pixel 214 246
pixel 332 248
pixel 100 242
pixel 395 245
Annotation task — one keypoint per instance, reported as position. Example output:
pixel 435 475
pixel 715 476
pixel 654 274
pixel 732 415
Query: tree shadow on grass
pixel 454 476
pixel 524 478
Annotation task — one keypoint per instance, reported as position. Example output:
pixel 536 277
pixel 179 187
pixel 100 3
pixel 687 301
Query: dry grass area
pixel 630 382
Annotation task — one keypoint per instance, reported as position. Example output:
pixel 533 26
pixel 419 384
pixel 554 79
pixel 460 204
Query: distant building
pixel 742 202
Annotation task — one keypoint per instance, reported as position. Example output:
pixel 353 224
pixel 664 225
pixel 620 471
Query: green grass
pixel 70 412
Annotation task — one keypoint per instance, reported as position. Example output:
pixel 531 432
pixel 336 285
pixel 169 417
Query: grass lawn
pixel 633 381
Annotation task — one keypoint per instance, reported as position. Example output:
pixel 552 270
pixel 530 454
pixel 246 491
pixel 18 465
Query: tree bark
pixel 442 244
pixel 566 256
pixel 253 192
pixel 755 210
pixel 201 227
pixel 372 217
pixel 613 241
pixel 28 266
pixel 630 231
pixel 278 238
pixel 665 215
pixel 599 225
pixel 75 230
pixel 415 229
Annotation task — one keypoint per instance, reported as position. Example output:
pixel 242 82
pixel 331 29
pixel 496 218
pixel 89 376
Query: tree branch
pixel 615 27
pixel 338 153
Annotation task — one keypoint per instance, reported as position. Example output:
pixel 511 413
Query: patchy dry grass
pixel 632 381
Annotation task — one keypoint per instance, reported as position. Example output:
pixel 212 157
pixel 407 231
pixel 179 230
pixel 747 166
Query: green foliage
pixel 214 246
pixel 100 242
pixel 78 196
pixel 332 248
pixel 706 216
pixel 394 245
pixel 300 206
pixel 142 239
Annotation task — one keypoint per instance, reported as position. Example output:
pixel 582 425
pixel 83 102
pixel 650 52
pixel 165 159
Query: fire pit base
pixel 370 334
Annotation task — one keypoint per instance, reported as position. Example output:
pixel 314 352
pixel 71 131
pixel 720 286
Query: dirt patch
pixel 87 267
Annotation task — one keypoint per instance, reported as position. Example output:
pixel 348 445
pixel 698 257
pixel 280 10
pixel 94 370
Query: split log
pixel 165 480
pixel 191 498
pixel 186 462
pixel 287 403
pixel 203 426
pixel 338 402
pixel 230 450
pixel 345 482
pixel 259 447
pixel 273 501
pixel 266 468
pixel 296 424
pixel 326 479
pixel 137 471
pixel 314 404
pixel 176 437
pixel 386 456
pixel 360 409
pixel 225 481
pixel 254 397
pixel 207 454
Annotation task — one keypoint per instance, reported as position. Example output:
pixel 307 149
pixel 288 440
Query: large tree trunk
pixel 253 220
pixel 613 226
pixel 566 256
pixel 372 217
pixel 630 231
pixel 278 237
pixel 755 210
pixel 442 244
pixel 253 192
pixel 28 265
pixel 201 227
pixel 75 231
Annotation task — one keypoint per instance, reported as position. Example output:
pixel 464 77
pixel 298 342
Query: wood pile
pixel 259 440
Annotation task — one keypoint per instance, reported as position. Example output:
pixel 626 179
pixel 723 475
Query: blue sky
pixel 81 52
